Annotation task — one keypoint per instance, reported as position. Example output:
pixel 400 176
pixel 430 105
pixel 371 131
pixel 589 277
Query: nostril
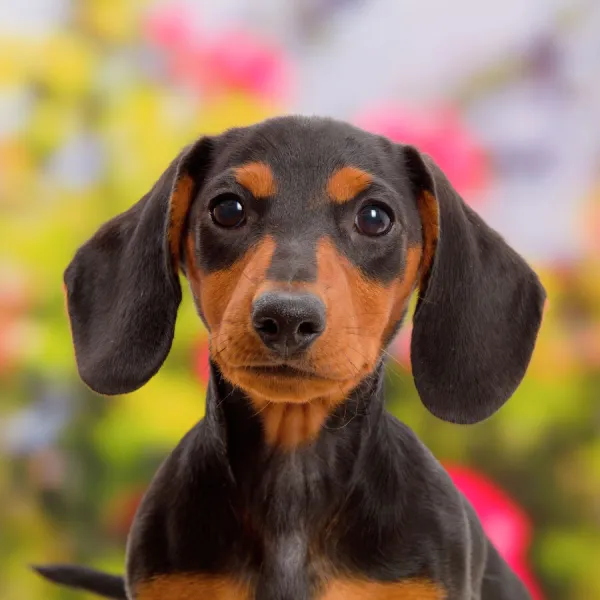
pixel 308 328
pixel 268 326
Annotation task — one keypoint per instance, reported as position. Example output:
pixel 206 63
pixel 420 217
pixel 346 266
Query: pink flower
pixel 504 522
pixel 228 61
pixel 442 134
pixel 241 61
pixel 169 27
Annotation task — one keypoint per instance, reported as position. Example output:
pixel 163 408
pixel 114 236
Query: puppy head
pixel 302 240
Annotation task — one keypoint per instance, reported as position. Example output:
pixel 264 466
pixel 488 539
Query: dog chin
pixel 268 385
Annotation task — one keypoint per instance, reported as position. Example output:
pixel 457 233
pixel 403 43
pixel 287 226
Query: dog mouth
pixel 287 383
pixel 284 371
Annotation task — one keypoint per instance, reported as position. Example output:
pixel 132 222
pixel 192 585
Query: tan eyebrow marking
pixel 346 183
pixel 257 178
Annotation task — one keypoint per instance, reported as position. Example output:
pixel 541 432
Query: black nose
pixel 288 322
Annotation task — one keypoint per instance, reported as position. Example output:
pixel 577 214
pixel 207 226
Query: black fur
pixel 366 498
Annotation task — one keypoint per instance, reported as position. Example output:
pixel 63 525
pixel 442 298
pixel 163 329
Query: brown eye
pixel 228 212
pixel 373 220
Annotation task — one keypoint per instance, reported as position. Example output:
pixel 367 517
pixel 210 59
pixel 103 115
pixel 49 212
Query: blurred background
pixel 97 96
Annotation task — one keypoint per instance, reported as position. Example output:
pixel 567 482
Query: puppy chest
pixel 290 570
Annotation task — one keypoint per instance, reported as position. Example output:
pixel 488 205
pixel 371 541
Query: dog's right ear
pixel 123 287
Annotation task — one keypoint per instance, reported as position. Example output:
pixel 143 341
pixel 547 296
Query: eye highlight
pixel 227 211
pixel 373 220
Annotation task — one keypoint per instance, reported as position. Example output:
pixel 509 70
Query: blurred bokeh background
pixel 96 97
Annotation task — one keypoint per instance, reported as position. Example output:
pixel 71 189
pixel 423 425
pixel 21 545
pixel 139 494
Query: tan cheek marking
pixel 403 289
pixel 257 178
pixel 191 587
pixel 361 313
pixel 347 183
pixel 179 205
pixel 232 289
pixel 430 219
pixel 357 308
pixel 372 590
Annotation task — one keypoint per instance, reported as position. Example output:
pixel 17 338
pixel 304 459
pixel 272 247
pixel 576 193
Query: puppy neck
pixel 307 480
pixel 242 421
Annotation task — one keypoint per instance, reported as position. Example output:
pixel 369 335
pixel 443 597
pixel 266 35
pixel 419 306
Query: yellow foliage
pixel 66 65
pixel 158 415
pixel 231 110
pixel 115 21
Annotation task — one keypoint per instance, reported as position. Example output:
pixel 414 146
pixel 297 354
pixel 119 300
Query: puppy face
pixel 302 240
pixel 302 249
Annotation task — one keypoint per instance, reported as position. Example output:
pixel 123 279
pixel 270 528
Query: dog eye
pixel 227 211
pixel 373 220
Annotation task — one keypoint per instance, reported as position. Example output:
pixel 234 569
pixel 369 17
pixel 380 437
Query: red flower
pixel 201 362
pixel 503 520
pixel 122 509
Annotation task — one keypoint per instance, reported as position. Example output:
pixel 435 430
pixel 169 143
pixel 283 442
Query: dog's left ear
pixel 479 307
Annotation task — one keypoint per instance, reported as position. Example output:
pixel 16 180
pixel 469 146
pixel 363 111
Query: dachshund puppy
pixel 302 240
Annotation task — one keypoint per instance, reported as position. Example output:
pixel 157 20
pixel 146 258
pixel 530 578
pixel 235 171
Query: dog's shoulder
pixel 424 524
pixel 189 493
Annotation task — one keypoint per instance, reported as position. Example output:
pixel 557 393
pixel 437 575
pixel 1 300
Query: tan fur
pixel 288 424
pixel 430 219
pixel 347 183
pixel 257 178
pixel 200 587
pixel 192 587
pixel 179 206
pixel 348 589
pixel 404 287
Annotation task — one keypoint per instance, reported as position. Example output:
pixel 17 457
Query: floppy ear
pixel 479 307
pixel 123 286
